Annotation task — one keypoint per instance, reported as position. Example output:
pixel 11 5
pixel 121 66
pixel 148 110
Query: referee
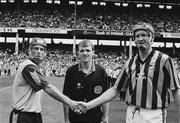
pixel 86 81
pixel 147 80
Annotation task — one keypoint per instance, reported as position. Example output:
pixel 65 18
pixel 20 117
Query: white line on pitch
pixel 5 88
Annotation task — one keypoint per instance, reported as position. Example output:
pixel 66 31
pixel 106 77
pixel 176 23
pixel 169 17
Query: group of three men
pixel 146 79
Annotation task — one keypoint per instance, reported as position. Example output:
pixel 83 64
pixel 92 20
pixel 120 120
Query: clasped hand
pixel 80 107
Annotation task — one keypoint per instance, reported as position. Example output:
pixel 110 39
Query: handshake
pixel 79 107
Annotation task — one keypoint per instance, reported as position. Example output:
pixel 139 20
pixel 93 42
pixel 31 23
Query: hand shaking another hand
pixel 80 108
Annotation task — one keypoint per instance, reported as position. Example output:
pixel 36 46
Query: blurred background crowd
pixel 93 17
pixel 99 18
pixel 57 62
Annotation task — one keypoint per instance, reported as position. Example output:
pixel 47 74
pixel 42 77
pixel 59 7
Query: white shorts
pixel 141 115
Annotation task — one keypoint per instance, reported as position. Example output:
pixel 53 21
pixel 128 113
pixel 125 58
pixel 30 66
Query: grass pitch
pixel 52 111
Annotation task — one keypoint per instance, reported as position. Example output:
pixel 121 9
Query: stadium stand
pixel 57 62
pixel 91 17
pixel 87 17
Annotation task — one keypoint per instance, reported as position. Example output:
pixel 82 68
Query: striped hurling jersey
pixel 148 83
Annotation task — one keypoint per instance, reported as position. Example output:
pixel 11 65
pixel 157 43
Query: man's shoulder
pixel 163 55
pixel 73 67
pixel 99 68
pixel 25 63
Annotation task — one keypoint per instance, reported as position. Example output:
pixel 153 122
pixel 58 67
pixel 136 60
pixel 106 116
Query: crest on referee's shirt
pixel 98 89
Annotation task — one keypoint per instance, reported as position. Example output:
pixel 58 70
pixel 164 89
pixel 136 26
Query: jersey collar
pixel 92 67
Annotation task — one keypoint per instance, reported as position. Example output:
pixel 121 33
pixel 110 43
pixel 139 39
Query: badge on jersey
pixel 79 85
pixel 35 77
pixel 98 89
pixel 152 66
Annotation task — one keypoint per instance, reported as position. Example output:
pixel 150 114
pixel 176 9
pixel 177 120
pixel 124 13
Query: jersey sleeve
pixel 171 74
pixel 122 78
pixel 34 78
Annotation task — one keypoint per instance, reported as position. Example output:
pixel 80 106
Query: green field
pixel 52 110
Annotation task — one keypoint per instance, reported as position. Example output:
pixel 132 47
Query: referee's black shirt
pixel 82 87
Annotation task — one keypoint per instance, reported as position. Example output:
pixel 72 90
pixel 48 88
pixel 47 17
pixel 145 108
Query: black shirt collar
pixel 92 67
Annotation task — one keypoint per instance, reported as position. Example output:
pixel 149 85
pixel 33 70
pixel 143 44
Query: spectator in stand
pixel 97 18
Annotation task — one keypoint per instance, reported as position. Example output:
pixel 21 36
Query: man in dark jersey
pixel 147 80
pixel 84 82
pixel 28 85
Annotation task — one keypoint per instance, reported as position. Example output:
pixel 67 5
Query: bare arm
pixel 56 94
pixel 107 96
pixel 66 113
pixel 105 110
pixel 176 95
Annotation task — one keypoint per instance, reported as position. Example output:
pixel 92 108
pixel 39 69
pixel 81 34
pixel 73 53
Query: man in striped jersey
pixel 28 84
pixel 147 80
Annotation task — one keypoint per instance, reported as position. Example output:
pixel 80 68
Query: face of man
pixel 85 53
pixel 37 53
pixel 142 40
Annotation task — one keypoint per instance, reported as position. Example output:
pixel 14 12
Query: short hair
pixel 86 43
pixel 38 41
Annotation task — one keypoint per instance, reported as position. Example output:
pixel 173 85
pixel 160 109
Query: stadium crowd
pixel 56 62
pixel 100 18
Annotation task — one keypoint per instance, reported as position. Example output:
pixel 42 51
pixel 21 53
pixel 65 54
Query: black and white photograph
pixel 89 61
